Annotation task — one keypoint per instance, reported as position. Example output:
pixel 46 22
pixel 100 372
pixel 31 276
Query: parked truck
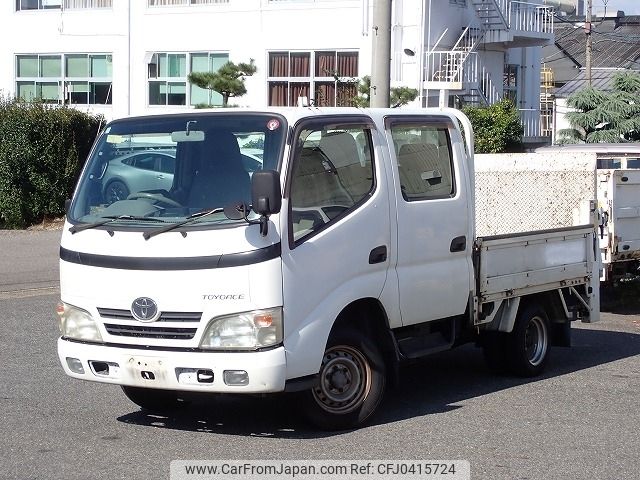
pixel 318 264
pixel 616 170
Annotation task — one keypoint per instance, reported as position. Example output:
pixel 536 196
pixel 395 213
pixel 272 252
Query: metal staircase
pixel 452 62
pixel 493 14
pixel 460 68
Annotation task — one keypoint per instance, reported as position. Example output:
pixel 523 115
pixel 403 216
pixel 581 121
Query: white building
pixel 122 57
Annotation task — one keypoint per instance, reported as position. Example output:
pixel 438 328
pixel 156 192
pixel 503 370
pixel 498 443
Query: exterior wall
pixel 131 31
pixel 560 121
pixel 242 28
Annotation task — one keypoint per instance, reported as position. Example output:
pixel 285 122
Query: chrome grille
pixel 145 331
pixel 133 328
pixel 120 314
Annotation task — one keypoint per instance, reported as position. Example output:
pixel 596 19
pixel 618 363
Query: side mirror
pixel 265 192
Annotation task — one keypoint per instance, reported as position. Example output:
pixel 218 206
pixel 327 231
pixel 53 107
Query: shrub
pixel 497 128
pixel 42 150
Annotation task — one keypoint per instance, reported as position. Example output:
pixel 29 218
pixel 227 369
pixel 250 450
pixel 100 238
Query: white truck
pixel 346 249
pixel 616 169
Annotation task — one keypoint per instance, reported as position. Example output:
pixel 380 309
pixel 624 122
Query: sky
pixel 630 7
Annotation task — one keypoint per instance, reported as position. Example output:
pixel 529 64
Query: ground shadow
pixel 434 385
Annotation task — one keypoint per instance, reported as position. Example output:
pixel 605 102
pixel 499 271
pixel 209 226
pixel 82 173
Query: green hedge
pixel 42 150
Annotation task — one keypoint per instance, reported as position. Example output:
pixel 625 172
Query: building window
pixel 64 4
pixel 78 79
pixel 166 3
pixel 88 79
pixel 168 84
pixel 82 4
pixel 510 83
pixel 325 78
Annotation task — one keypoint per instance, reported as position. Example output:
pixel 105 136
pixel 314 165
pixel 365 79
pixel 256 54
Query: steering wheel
pixel 156 197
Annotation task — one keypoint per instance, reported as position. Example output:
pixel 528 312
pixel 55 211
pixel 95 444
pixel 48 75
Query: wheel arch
pixel 367 315
pixel 549 301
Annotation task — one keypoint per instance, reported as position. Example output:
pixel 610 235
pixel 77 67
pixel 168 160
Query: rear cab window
pixel 424 158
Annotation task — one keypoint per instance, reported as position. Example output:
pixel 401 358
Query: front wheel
pixel 351 384
pixel 153 399
pixel 528 345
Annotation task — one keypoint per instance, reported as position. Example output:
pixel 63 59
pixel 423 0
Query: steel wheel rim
pixel 115 192
pixel 535 341
pixel 345 380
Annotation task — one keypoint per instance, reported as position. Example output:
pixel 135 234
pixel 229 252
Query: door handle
pixel 458 244
pixel 378 255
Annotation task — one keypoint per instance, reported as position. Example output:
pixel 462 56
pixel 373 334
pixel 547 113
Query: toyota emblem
pixel 144 309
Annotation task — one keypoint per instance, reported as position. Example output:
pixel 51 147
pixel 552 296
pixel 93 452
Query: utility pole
pixel 589 51
pixel 379 95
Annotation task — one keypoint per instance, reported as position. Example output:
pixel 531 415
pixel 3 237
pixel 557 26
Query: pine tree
pixel 228 81
pixel 399 95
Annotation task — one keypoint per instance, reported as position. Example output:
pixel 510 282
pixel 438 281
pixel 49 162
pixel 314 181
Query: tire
pixel 351 385
pixel 494 350
pixel 154 400
pixel 115 190
pixel 561 334
pixel 529 344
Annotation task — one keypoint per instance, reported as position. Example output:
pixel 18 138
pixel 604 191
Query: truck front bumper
pixel 222 372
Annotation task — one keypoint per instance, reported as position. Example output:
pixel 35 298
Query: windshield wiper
pixel 189 219
pixel 109 219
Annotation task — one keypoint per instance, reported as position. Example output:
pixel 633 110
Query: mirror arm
pixel 264 225
pixel 263 221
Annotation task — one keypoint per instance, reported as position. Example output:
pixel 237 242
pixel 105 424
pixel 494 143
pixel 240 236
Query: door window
pixel 332 175
pixel 424 161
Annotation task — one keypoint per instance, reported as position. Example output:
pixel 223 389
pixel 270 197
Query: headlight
pixel 76 323
pixel 244 331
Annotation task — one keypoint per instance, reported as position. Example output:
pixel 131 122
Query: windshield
pixel 166 169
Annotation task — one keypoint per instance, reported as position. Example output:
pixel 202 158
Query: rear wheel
pixel 351 383
pixel 528 345
pixel 154 400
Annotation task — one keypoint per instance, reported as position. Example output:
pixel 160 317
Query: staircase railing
pixel 530 17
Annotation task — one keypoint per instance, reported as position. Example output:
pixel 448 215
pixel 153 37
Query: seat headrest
pixel 340 148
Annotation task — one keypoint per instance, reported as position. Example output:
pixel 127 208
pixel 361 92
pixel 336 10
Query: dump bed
pixel 522 264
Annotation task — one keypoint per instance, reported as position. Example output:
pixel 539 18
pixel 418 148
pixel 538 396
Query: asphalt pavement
pixel 580 420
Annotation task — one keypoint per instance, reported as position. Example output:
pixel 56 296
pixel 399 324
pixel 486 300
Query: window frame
pixel 437 123
pixel 166 80
pixel 185 3
pixel 63 80
pixel 320 123
pixel 67 5
pixel 313 80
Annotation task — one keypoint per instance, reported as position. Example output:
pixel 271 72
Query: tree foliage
pixel 42 151
pixel 399 95
pixel 228 80
pixel 600 116
pixel 497 128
